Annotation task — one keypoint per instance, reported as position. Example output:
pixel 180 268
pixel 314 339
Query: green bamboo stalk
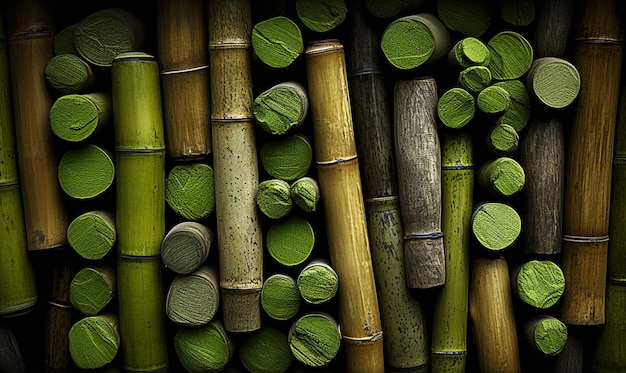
pixel 207 348
pixel 92 234
pixel 186 246
pixel 140 209
pixel 277 41
pixel 317 282
pixel 193 299
pixel 92 289
pixel 315 339
pixel 449 325
pixel 280 297
pixel 287 157
pixel 94 341
pixel 190 190
pixel 78 117
pixel 266 350
pixel 291 240
pixel 608 353
pixel 86 172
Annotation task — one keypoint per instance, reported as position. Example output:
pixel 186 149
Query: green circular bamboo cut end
pixel 202 349
pixel 468 17
pixel 511 55
pixel 190 190
pixel 92 234
pixel 192 300
pixel 277 41
pixel 493 100
pixel 186 246
pixel 69 73
pixel 408 43
pixel 266 351
pixel 469 51
pixel 287 158
pixel 318 283
pixel 539 283
pixel 475 79
pixel 290 240
pixel 280 298
pixel 305 193
pixel 91 291
pixel 274 198
pixel 518 113
pixel 94 341
pixel 321 15
pixel 314 339
pixel 506 176
pixel 496 226
pixel 517 13
pixel 554 82
pixel 74 118
pixel 503 139
pixel 86 172
pixel 280 109
pixel 456 108
pixel 550 336
pixel 64 41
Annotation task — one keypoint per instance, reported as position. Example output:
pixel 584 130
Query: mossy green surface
pixel 76 118
pixel 511 55
pixel 502 139
pixel 318 283
pixel 504 176
pixel 190 190
pixel 288 157
pixel 554 82
pixel 468 17
pixel 493 100
pixel 86 172
pixel 274 198
pixel 277 41
pixel 290 240
pixel 92 234
pixel 203 349
pixel 518 113
pixel 550 336
pixel 517 12
pixel 266 351
pixel 469 51
pixel 539 283
pixel 192 300
pixel 280 297
pixel 314 339
pixel 305 193
pixel 91 290
pixel 321 15
pixel 496 225
pixel 407 43
pixel 64 41
pixel 280 109
pixel 94 341
pixel 69 73
pixel 474 79
pixel 456 107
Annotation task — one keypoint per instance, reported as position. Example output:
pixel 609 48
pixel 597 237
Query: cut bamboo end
pixel 64 41
pixel 86 172
pixel 244 309
pixel 305 193
pixel 315 339
pixel 456 107
pixel 554 82
pixel 538 283
pixel 474 79
pixel 502 176
pixel 78 117
pixel 287 158
pixel 186 246
pixel 274 198
pixel 69 73
pixel 94 341
pixel 266 350
pixel 517 13
pixel 277 41
pixel 518 113
pixel 469 18
pixel 493 100
pixel 92 234
pixel 317 282
pixel 206 348
pixel 469 51
pixel 415 40
pixel 92 289
pixel 495 225
pixel 546 334
pixel 502 139
pixel 321 16
pixel 280 298
pixel 290 241
pixel 104 34
pixel 193 299
pixel 281 108
pixel 190 190
pixel 511 55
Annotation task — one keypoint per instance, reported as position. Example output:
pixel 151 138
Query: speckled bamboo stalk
pixel 240 244
pixel 588 169
pixel 185 77
pixel 344 211
pixel 140 209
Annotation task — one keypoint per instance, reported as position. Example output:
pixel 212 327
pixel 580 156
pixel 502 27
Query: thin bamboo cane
pixel 185 78
pixel 598 56
pixel 30 32
pixel 240 241
pixel 140 209
pixel 344 211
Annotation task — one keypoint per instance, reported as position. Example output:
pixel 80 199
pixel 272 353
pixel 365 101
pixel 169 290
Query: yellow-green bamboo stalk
pixel 344 209
pixel 240 243
pixel 140 209
pixel 449 325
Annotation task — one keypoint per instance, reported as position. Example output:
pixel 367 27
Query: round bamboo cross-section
pixel 92 234
pixel 287 158
pixel 321 15
pixel 554 82
pixel 193 299
pixel 266 350
pixel 280 297
pixel 317 282
pixel 290 241
pixel 86 172
pixel 538 283
pixel 190 190
pixel 186 246
pixel 281 108
pixel 274 198
pixel 69 73
pixel 496 225
pixel 94 341
pixel 314 339
pixel 206 348
pixel 92 289
pixel 305 193
pixel 78 117
pixel 277 41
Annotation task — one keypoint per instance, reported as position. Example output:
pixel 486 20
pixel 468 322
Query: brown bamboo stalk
pixel 30 31
pixel 240 241
pixel 598 56
pixel 552 28
pixel 344 211
pixel 185 78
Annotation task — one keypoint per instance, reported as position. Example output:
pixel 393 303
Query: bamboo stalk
pixel 344 211
pixel 185 77
pixel 240 241
pixel 598 56
pixel 140 209
pixel 552 28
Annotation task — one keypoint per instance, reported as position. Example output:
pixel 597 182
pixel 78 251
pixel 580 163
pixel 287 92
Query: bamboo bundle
pixel 240 241
pixel 30 33
pixel 185 77
pixel 344 211
pixel 598 56
pixel 140 209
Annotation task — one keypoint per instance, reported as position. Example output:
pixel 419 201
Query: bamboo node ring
pixel 60 305
pixel 139 257
pixel 182 71
pixel 372 338
pixel 426 235
pixel 585 239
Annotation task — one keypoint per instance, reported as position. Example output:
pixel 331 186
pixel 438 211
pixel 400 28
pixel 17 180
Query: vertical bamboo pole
pixel 140 210
pixel 239 236
pixel 344 211
pixel 30 32
pixel 598 56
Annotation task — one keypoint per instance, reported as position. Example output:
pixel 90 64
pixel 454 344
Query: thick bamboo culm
pixel 344 211
pixel 185 78
pixel 418 158
pixel 30 34
pixel 449 323
pixel 140 210
pixel 403 322
pixel 236 168
pixel 18 292
pixel 598 55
